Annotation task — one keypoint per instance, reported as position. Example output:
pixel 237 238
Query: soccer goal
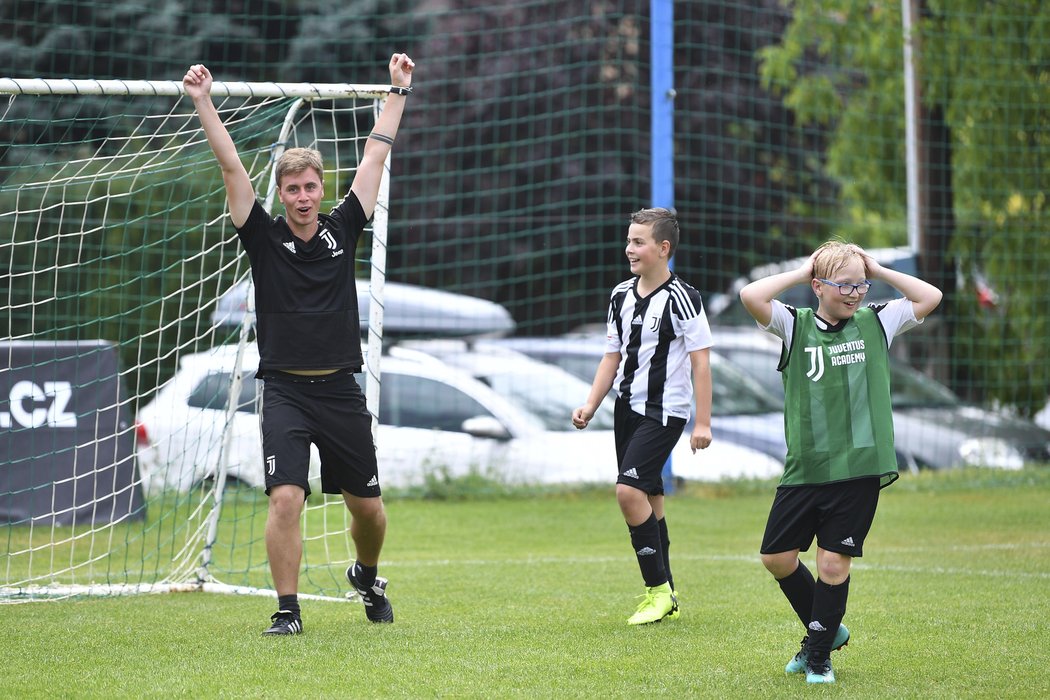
pixel 118 254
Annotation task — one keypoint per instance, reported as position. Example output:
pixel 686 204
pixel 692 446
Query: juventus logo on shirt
pixel 816 363
pixel 326 236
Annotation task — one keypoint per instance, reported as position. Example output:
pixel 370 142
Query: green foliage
pixel 526 143
pixel 112 247
pixel 838 65
pixel 841 64
pixel 262 40
pixel 997 108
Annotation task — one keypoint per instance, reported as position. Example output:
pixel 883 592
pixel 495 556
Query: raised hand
pixel 401 70
pixel 197 81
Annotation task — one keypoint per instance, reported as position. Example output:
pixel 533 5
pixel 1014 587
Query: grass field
pixel 527 596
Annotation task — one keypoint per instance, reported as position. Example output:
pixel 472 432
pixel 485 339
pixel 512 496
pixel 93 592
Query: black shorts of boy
pixel 643 445
pixel 839 515
pixel 329 411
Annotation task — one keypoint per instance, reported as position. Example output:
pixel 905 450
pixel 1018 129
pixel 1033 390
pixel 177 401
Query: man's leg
pixel 284 542
pixel 367 526
pixel 368 530
pixel 284 548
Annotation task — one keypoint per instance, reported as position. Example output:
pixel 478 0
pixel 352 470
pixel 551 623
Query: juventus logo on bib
pixel 816 362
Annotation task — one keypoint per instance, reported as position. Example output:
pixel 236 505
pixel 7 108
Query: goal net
pixel 126 294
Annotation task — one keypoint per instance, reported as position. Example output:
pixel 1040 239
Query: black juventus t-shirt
pixel 305 296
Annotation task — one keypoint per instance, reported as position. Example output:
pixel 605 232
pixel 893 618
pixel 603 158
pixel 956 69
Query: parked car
pixel 933 428
pixel 433 419
pixel 1042 418
pixel 408 310
pixel 742 412
pixel 180 431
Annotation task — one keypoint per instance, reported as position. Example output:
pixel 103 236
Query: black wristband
pixel 406 91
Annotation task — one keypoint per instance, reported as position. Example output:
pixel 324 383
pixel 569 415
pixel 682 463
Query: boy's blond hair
pixel 834 255
pixel 664 223
pixel 296 160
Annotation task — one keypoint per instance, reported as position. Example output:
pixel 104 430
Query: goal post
pixel 115 238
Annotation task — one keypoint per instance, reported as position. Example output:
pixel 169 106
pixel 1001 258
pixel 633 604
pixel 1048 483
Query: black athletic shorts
pixel 642 447
pixel 328 411
pixel 839 515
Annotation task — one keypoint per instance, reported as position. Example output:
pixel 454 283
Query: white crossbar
pixel 65 86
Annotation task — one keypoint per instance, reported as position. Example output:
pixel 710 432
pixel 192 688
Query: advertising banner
pixel 67 447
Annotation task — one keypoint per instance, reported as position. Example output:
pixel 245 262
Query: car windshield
pixel 549 393
pixel 213 392
pixel 759 366
pixel 734 393
pixel 913 389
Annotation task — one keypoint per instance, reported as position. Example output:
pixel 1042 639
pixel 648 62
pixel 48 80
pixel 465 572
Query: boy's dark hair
pixel 664 223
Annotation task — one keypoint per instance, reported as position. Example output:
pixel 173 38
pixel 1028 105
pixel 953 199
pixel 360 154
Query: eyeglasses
pixel 847 289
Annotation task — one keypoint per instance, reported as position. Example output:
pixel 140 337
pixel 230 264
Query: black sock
pixel 829 607
pixel 289 603
pixel 665 542
pixel 645 539
pixel 798 589
pixel 366 575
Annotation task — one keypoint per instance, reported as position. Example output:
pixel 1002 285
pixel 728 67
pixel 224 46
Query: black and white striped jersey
pixel 654 336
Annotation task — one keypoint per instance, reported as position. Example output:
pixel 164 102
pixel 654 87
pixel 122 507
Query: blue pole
pixel 661 42
pixel 662 102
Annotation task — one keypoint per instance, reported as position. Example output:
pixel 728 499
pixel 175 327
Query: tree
pixel 983 68
pixel 529 147
pixel 748 181
pixel 524 156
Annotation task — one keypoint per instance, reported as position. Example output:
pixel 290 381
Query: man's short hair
pixel 664 223
pixel 296 160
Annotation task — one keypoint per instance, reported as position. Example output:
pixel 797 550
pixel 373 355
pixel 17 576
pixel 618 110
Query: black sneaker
pixel 377 606
pixel 285 622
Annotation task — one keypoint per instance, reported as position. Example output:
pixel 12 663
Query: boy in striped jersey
pixel 658 336
pixel 839 424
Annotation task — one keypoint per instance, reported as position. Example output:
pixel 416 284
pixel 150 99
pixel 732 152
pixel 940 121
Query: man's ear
pixel 665 249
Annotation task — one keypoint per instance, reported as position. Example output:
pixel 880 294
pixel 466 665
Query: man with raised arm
pixel 309 339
